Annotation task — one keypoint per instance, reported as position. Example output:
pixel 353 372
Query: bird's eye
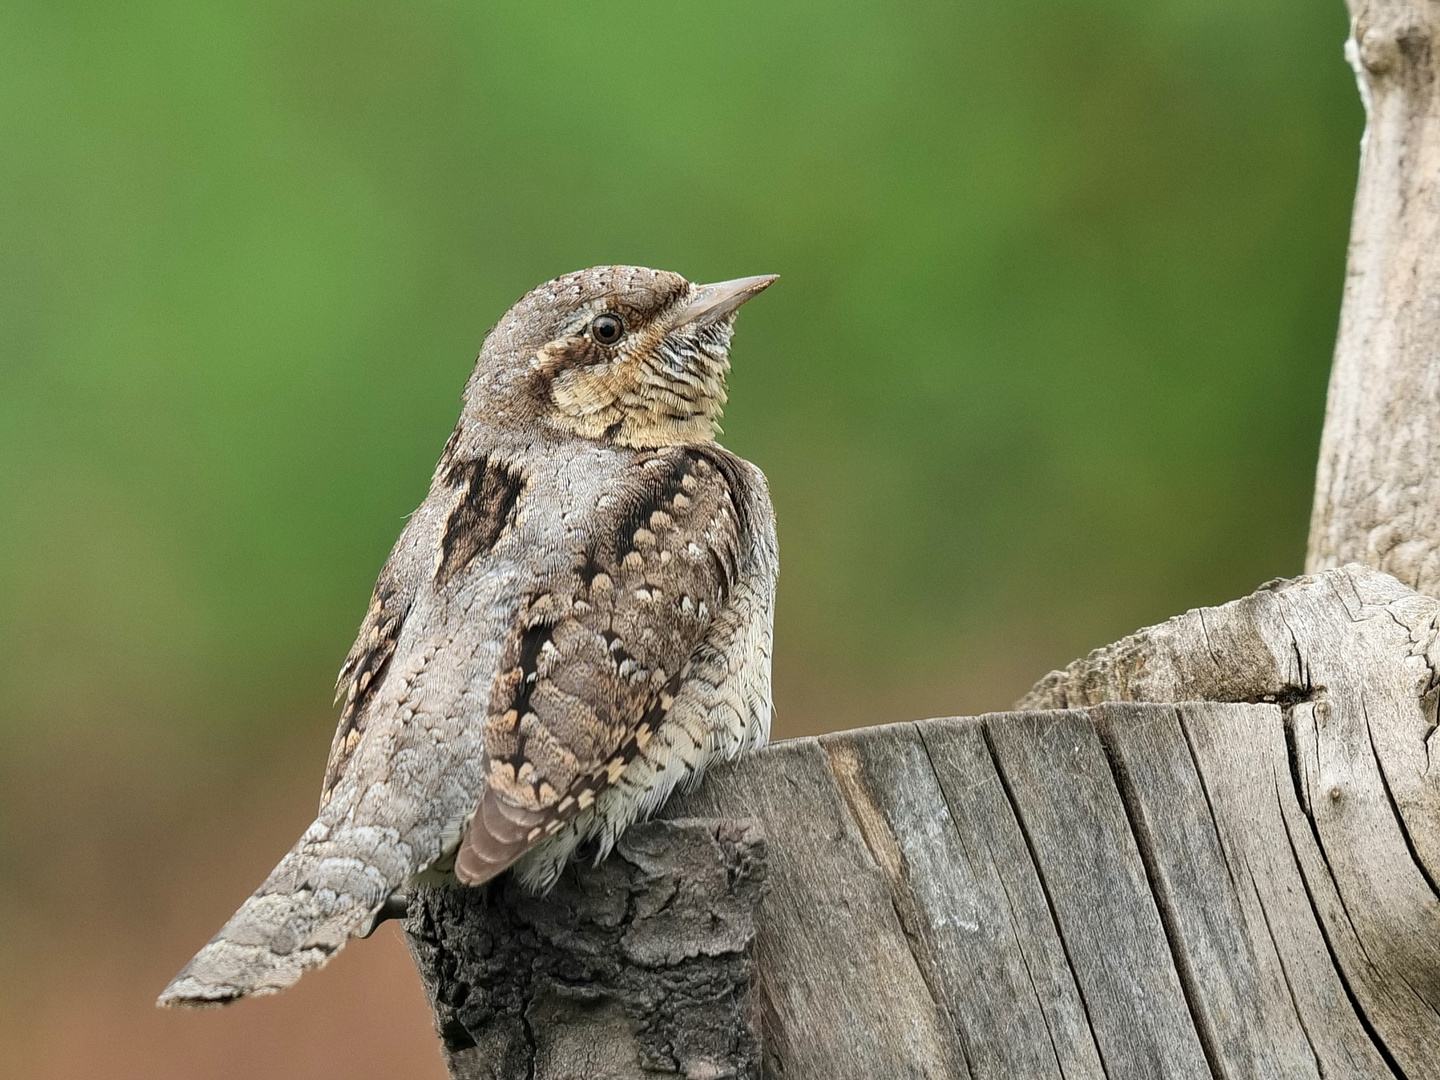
pixel 607 329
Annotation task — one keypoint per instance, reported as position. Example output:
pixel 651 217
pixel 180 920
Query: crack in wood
pixel 1005 786
pixel 1030 976
pixel 1284 972
pixel 1355 1005
pixel 1395 810
pixel 874 830
pixel 1164 901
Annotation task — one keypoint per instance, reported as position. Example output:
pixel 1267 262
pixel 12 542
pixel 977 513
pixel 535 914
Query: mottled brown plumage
pixel 575 620
pixel 389 605
pixel 592 667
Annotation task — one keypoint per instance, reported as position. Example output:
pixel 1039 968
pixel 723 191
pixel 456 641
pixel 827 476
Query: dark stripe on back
pixel 486 509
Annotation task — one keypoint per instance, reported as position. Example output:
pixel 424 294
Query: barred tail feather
pixel 498 834
pixel 309 906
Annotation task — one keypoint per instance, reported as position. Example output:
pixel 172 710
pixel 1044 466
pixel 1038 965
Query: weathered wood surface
pixel 1352 655
pixel 1105 885
pixel 1377 492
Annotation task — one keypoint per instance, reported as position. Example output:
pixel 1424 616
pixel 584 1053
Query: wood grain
pixel 841 989
pixel 1377 491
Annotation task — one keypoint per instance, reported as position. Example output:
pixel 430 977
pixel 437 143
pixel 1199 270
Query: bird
pixel 577 620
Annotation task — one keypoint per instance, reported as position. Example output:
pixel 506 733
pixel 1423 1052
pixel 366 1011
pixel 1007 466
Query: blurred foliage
pixel 1047 361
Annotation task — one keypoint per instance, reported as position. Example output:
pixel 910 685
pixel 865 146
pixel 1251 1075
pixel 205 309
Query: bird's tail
pixel 322 893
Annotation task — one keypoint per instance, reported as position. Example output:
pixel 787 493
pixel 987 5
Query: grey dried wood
pixel 1351 655
pixel 842 993
pixel 1245 771
pixel 936 819
pixel 1059 778
pixel 1377 491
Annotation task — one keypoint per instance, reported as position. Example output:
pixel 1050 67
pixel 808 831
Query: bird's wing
pixel 598 652
pixel 360 674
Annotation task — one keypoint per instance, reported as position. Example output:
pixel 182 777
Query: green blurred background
pixel 1047 363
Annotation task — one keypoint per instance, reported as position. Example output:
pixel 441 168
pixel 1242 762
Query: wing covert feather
pixel 360 674
pixel 599 651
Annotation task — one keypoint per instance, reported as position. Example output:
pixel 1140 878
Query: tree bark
pixel 1377 491
pixel 640 965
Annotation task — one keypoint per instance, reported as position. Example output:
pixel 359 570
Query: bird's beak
pixel 713 302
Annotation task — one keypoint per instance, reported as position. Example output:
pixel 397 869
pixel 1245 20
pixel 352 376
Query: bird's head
pixel 618 354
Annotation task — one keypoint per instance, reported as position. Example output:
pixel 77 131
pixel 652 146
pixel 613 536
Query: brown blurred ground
pixel 91 958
